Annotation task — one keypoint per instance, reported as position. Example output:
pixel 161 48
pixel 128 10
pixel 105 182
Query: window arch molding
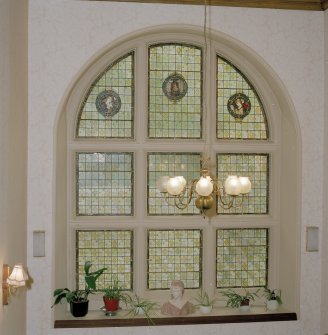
pixel 274 98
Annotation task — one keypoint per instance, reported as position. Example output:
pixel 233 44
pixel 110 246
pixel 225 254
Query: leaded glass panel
pixel 170 164
pixel 256 167
pixel 240 114
pixel 241 257
pixel 108 108
pixel 111 249
pixel 104 183
pixel 175 91
pixel 174 255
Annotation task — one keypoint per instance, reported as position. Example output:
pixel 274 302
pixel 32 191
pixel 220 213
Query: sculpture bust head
pixel 177 289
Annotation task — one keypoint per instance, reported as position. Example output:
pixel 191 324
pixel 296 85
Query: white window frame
pixel 140 145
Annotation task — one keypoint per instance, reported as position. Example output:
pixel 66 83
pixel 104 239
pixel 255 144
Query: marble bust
pixel 177 305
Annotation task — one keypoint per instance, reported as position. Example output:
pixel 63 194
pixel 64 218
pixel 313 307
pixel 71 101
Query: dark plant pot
pixel 245 302
pixel 111 305
pixel 79 309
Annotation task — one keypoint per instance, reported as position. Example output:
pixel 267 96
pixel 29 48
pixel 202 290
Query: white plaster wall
pixel 64 35
pixel 13 149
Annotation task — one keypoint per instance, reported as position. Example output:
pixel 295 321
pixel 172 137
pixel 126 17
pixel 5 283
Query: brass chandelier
pixel 207 189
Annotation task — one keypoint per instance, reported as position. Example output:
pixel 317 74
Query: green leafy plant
pixel 79 295
pixel 235 300
pixel 115 291
pixel 274 294
pixel 204 300
pixel 141 306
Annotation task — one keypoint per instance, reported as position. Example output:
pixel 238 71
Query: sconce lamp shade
pixel 18 276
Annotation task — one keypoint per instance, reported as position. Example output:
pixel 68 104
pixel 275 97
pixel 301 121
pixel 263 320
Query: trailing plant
pixel 79 295
pixel 274 294
pixel 204 300
pixel 141 306
pixel 235 299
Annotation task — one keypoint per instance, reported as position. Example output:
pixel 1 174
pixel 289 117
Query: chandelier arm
pixel 178 202
pixel 225 204
pixel 178 199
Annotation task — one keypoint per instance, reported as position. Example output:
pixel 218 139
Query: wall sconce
pixel 10 283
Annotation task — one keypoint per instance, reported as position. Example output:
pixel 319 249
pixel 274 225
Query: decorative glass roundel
pixel 239 105
pixel 108 103
pixel 175 87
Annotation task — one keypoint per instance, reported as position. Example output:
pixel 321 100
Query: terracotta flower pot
pixel 111 305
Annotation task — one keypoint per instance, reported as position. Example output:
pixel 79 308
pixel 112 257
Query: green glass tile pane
pixel 174 255
pixel 241 257
pixel 254 166
pixel 104 183
pixel 170 164
pixel 167 117
pixel 118 77
pixel 111 249
pixel 231 81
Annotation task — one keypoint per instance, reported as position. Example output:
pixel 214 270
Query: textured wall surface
pixel 65 35
pixel 13 149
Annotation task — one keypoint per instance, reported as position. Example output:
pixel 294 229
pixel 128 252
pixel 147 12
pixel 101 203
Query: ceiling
pixel 316 5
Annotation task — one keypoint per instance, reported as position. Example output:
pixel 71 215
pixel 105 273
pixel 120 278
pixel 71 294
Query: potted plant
pixel 241 301
pixel 204 302
pixel 273 298
pixel 140 306
pixel 113 294
pixel 78 299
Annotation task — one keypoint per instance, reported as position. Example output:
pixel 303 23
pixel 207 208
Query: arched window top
pixel 240 113
pixel 107 110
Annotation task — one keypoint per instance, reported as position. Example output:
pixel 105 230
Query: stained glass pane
pixel 241 257
pixel 174 255
pixel 175 91
pixel 254 166
pixel 107 110
pixel 104 183
pixel 111 249
pixel 240 114
pixel 170 164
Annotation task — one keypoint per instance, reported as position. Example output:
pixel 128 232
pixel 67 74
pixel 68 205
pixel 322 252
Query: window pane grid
pixel 256 167
pixel 170 164
pixel 174 255
pixel 170 118
pixel 104 183
pixel 112 249
pixel 118 77
pixel 231 81
pixel 242 257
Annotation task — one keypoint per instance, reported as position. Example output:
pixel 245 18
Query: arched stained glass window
pixel 240 114
pixel 175 91
pixel 107 110
pixel 118 207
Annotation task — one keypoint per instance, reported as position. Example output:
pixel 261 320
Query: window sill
pixel 219 315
